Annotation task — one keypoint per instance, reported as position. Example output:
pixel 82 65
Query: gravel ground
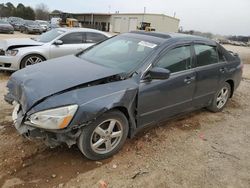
pixel 201 149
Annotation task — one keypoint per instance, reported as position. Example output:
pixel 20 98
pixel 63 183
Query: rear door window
pixel 94 37
pixel 177 59
pixel 205 55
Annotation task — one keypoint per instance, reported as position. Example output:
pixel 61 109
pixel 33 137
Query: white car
pixel 19 53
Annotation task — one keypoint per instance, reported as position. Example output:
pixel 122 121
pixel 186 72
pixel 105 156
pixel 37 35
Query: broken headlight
pixel 11 52
pixel 57 118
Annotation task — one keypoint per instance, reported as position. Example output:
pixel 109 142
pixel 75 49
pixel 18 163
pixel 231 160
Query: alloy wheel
pixel 106 136
pixel 33 60
pixel 222 97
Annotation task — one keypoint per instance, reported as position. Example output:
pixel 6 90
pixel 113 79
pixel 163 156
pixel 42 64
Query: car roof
pixel 67 29
pixel 164 37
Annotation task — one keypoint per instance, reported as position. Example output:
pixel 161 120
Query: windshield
pixel 120 52
pixel 50 35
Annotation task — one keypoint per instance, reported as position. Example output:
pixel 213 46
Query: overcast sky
pixel 228 17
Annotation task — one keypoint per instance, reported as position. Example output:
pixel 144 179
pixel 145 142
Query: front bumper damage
pixel 51 138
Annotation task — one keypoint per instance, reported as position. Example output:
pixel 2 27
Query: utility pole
pixel 144 12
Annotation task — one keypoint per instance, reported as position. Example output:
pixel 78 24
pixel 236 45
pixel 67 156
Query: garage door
pixel 132 24
pixel 117 25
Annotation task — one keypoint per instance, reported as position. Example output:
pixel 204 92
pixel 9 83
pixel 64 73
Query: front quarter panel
pixel 94 101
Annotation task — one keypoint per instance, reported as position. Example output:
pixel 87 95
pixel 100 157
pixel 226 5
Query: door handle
pixel 222 70
pixel 189 79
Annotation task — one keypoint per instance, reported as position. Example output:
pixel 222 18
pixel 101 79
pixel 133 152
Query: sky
pixel 226 17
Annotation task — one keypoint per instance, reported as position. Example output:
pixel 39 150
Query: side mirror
pixel 58 42
pixel 158 73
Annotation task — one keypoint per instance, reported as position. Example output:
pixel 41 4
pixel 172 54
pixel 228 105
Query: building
pixel 121 22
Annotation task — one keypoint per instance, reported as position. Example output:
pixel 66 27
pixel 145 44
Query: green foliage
pixel 8 9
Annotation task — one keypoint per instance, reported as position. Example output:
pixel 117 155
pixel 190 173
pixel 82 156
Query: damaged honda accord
pixel 101 96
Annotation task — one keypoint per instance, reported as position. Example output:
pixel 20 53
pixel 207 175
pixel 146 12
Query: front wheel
pixel 31 60
pixel 221 98
pixel 105 136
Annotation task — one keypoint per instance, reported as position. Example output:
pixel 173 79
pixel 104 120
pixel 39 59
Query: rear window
pixel 205 55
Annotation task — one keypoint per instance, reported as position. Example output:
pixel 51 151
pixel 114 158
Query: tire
pixel 101 145
pixel 220 98
pixel 28 60
pixel 26 31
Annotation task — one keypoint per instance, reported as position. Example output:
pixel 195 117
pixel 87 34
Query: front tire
pixel 221 98
pixel 105 136
pixel 31 60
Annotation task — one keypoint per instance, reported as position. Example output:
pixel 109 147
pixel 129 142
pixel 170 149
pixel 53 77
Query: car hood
pixel 5 25
pixel 33 84
pixel 18 42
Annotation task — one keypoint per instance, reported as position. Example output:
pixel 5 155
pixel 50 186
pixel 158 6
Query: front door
pixel 72 44
pixel 161 99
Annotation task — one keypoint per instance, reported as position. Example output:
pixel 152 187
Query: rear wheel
pixel 105 136
pixel 221 98
pixel 31 60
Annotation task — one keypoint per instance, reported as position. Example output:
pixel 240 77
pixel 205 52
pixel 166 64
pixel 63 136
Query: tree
pixel 20 9
pixel 56 12
pixel 29 13
pixel 42 12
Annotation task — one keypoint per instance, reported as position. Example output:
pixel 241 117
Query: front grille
pixel 2 52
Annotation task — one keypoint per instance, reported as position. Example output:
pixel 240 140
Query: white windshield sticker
pixel 147 44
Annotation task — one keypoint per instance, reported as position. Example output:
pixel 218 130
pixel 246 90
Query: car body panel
pixel 168 97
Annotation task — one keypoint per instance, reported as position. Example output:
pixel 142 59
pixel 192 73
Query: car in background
pixel 44 24
pixel 19 53
pixel 16 22
pixel 30 26
pixel 5 27
pixel 98 98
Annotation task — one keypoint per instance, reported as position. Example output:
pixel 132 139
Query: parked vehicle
pixel 30 26
pixel 16 22
pixel 19 53
pixel 5 27
pixel 101 96
pixel 44 24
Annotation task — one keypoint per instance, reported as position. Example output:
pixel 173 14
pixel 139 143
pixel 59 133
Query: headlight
pixel 57 118
pixel 11 52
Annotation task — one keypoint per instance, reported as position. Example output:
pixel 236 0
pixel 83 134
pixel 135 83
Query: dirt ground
pixel 201 149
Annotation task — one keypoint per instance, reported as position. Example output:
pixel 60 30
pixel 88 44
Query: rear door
pixel 210 69
pixel 160 99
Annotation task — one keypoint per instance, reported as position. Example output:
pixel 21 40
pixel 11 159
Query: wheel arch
pixel 32 53
pixel 128 115
pixel 231 83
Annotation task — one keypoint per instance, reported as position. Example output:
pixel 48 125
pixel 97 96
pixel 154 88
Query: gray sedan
pixel 5 27
pixel 98 98
pixel 19 53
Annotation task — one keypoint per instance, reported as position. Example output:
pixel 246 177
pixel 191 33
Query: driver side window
pixel 177 59
pixel 73 38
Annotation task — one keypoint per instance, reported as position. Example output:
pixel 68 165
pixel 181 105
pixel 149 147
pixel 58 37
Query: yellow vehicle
pixel 71 22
